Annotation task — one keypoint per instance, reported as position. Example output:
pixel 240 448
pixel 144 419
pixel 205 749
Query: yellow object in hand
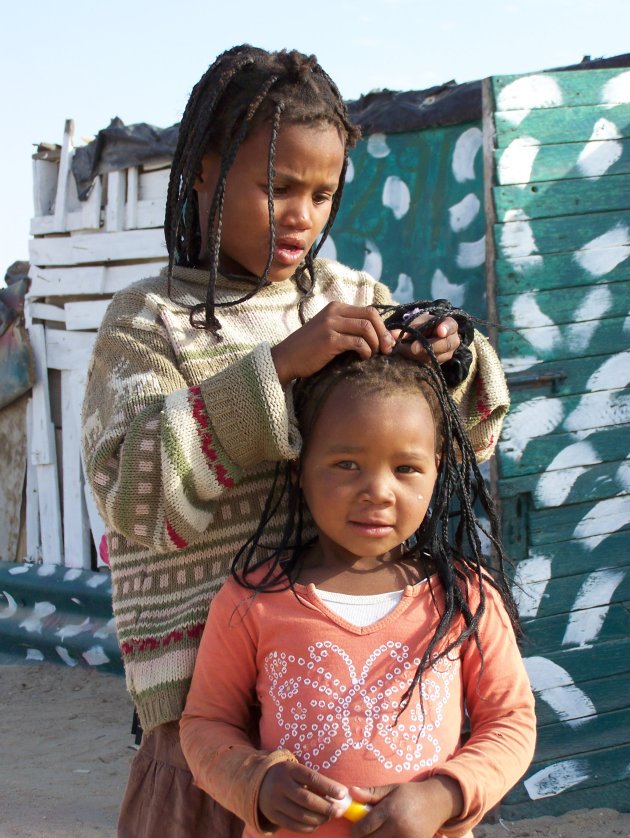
pixel 354 810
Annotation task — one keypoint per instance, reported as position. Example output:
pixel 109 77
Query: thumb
pixel 371 794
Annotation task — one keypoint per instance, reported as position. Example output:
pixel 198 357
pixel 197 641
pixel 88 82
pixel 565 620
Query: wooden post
pixel 76 530
pixel 43 454
pixel 61 197
pixel 115 210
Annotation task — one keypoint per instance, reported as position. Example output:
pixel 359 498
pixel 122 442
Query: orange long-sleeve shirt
pixel 329 693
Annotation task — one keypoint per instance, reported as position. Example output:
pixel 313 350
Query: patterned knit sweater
pixel 181 433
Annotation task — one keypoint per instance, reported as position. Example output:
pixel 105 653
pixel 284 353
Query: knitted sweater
pixel 181 433
pixel 329 695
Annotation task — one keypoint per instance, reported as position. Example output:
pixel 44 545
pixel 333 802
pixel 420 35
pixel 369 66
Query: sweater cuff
pixel 249 410
pixel 233 775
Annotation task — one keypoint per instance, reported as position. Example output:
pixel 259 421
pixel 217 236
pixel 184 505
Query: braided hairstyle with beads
pixel 245 87
pixel 453 555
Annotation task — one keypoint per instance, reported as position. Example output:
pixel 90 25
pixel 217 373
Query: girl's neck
pixel 362 577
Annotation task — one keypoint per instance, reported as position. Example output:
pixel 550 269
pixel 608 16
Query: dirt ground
pixel 65 751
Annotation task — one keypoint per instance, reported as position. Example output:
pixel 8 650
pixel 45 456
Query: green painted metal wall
pixel 412 214
pixel 561 198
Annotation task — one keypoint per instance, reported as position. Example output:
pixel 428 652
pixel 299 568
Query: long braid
pixel 245 88
pixel 457 561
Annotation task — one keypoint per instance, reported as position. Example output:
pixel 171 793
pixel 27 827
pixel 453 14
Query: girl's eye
pixel 346 464
pixel 322 198
pixel 406 470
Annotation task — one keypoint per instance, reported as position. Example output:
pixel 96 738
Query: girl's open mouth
pixel 287 253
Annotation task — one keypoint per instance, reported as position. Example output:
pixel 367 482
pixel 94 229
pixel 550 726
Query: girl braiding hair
pixel 366 632
pixel 189 402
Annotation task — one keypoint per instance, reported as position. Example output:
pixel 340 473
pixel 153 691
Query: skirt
pixel 161 798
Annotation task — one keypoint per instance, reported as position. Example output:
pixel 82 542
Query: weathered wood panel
pixel 554 125
pixel 561 89
pixel 556 162
pixel 555 451
pixel 564 270
pixel 555 343
pixel 567 197
pixel 98 247
pixel 562 275
pixel 561 234
pixel 537 307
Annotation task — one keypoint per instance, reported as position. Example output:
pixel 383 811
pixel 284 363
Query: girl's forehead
pixel 298 139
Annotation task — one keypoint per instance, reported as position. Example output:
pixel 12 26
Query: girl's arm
pixel 159 453
pixel 216 729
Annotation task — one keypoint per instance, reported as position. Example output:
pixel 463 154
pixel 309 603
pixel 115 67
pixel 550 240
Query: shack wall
pixel 560 171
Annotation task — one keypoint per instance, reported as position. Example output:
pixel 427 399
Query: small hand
pixel 444 340
pixel 338 328
pixel 408 810
pixel 295 797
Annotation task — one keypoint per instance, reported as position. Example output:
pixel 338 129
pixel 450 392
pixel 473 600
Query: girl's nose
pixel 297 214
pixel 377 489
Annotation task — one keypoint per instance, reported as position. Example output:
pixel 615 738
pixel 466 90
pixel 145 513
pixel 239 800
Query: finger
pixel 443 348
pixel 295 813
pixel 371 328
pixel 446 327
pixel 322 787
pixel 371 323
pixel 371 794
pixel 374 825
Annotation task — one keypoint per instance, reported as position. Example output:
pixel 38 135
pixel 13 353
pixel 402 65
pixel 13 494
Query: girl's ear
pixel 206 180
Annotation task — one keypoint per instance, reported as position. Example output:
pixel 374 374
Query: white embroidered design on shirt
pixel 320 715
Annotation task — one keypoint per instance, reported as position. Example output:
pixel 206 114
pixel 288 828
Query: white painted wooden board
pixel 61 195
pixel 45 174
pixel 131 210
pixel 116 197
pixel 85 315
pixel 86 216
pixel 45 311
pixel 92 279
pixel 76 529
pixel 42 450
pixel 82 248
pixel 69 350
pixel 43 454
pixel 33 542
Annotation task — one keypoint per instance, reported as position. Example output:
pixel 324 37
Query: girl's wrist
pixel 447 796
pixel 284 374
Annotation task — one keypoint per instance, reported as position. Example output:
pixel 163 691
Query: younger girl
pixel 368 642
pixel 189 400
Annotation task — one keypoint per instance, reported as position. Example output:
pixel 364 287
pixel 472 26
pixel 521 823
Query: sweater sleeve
pixel 483 397
pixel 214 728
pixel 500 705
pixel 159 453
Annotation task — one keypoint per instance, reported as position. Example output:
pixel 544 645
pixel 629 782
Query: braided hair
pixel 452 555
pixel 245 88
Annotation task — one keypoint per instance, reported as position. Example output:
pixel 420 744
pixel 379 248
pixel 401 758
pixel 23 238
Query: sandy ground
pixel 65 751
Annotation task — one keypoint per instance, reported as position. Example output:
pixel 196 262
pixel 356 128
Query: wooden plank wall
pixel 560 169
pixel 80 254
